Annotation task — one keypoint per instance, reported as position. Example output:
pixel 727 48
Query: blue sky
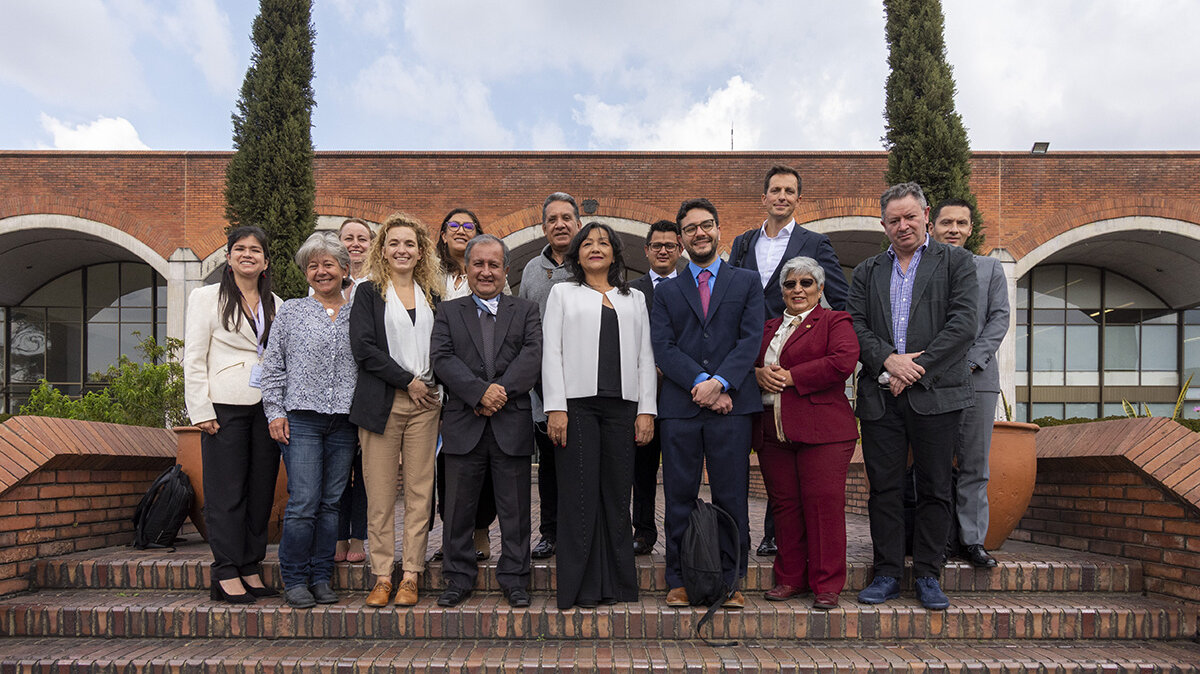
pixel 623 74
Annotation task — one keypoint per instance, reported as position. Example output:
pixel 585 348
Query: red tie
pixel 705 291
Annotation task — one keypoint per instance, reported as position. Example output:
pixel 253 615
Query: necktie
pixel 487 328
pixel 705 291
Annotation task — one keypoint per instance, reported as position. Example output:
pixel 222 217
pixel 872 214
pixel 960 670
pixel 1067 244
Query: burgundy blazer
pixel 821 354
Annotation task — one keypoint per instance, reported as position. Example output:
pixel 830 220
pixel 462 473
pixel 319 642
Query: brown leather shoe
pixel 406 595
pixel 782 592
pixel 677 597
pixel 826 601
pixel 380 594
pixel 736 601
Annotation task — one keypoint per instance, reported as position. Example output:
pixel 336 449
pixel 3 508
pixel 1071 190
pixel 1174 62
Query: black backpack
pixel 700 560
pixel 161 511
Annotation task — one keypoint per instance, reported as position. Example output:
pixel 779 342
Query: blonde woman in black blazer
pixel 599 386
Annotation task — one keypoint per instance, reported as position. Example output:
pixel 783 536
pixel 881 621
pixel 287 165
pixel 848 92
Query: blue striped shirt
pixel 902 290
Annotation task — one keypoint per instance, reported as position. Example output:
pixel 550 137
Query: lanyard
pixel 259 324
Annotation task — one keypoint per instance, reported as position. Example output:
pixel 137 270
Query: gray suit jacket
pixel 992 323
pixel 941 323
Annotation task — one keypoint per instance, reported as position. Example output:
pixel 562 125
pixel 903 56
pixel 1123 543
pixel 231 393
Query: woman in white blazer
pixel 226 334
pixel 599 386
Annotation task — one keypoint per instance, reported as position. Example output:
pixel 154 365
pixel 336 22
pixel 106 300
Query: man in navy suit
pixel 706 329
pixel 765 249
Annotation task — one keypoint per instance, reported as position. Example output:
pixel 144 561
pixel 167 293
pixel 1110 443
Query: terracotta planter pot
pixel 1013 467
pixel 188 456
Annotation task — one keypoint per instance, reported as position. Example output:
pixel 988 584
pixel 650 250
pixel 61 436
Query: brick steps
pixel 109 613
pixel 1023 568
pixel 256 656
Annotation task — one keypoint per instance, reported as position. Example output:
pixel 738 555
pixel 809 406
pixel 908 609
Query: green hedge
pixel 1044 422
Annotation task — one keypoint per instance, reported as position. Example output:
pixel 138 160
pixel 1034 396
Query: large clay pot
pixel 188 456
pixel 1012 465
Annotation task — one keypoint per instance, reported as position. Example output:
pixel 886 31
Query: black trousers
pixel 487 497
pixel 886 442
pixel 595 545
pixel 547 483
pixel 465 476
pixel 645 488
pixel 241 462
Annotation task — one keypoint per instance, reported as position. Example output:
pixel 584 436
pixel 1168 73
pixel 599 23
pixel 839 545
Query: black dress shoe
pixel 323 593
pixel 767 547
pixel 979 558
pixel 543 549
pixel 261 592
pixel 453 596
pixel 299 597
pixel 218 593
pixel 642 546
pixel 517 597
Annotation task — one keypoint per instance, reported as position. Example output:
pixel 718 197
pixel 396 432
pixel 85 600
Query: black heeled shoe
pixel 218 593
pixel 259 592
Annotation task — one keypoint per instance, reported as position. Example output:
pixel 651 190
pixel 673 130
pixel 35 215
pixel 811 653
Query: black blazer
pixel 458 362
pixel 379 375
pixel 644 284
pixel 941 323
pixel 802 242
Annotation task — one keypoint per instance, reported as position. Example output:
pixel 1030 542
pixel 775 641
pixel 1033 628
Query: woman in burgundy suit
pixel 806 434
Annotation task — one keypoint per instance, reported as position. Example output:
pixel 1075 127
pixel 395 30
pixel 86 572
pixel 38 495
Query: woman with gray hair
pixel 806 434
pixel 308 381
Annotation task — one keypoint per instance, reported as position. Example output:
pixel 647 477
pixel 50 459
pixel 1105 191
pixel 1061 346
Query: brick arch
pixel 354 208
pixel 102 214
pixel 625 209
pixel 811 210
pixel 93 228
pixel 1035 235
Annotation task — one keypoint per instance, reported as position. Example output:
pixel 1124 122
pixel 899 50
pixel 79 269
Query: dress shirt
pixel 655 277
pixel 771 357
pixel 308 364
pixel 769 251
pixel 901 294
pixel 491 306
pixel 713 269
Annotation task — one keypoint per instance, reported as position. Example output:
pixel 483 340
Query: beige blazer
pixel 216 362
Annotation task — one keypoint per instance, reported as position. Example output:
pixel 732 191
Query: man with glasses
pixel 706 329
pixel 560 222
pixel 663 250
pixel 764 250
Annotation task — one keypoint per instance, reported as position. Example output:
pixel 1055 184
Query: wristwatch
pixel 885 378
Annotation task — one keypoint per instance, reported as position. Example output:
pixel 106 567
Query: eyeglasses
pixel 790 284
pixel 659 245
pixel 466 226
pixel 707 227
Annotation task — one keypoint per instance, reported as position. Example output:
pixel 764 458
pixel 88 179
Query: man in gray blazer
pixel 913 307
pixel 951 226
pixel 487 351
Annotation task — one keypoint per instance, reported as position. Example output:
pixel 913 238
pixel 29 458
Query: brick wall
pixel 1101 506
pixel 55 512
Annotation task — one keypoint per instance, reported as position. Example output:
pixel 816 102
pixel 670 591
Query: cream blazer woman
pixel 216 361
pixel 571 341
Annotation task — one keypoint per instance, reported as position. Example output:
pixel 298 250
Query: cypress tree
pixel 269 181
pixel 926 140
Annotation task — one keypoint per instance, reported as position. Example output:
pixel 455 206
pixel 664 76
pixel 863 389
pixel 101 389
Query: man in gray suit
pixel 913 307
pixel 951 226
pixel 487 350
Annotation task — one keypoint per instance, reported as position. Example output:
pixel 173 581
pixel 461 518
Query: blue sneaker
pixel 880 590
pixel 929 593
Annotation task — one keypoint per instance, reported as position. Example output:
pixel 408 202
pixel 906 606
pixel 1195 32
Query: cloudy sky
pixel 614 75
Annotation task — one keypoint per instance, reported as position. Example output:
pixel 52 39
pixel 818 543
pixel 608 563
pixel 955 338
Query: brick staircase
pixel 1044 609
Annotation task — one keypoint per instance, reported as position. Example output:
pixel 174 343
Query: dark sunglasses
pixel 467 226
pixel 790 284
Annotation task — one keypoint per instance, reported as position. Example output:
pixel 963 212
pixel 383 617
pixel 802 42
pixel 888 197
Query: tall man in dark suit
pixel 663 250
pixel 951 226
pixel 487 350
pixel 765 249
pixel 706 328
pixel 913 307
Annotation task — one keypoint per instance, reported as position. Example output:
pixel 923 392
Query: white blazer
pixel 216 361
pixel 571 342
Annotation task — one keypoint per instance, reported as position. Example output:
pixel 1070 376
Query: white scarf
pixel 408 343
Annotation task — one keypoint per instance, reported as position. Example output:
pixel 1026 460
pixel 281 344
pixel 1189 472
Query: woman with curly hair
pixel 396 404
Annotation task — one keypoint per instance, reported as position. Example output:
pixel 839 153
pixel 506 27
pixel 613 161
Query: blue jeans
pixel 318 464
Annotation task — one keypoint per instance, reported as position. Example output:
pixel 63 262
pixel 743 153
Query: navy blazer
pixel 457 357
pixel 802 242
pixel 687 343
pixel 941 322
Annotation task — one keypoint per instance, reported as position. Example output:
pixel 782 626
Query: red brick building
pixel 1102 249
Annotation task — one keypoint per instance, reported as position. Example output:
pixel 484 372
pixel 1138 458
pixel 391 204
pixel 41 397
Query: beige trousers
pixel 409 441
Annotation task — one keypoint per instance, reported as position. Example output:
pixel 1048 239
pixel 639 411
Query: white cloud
pixel 202 29
pixel 106 133
pixel 373 17
pixel 421 108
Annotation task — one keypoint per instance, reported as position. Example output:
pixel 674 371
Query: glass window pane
pixel 1191 351
pixel 1121 378
pixel 136 315
pixel 102 346
pixel 1081 410
pixel 132 334
pixel 1047 348
pixel 1049 287
pixel 1021 412
pixel 103 287
pixel 1083 378
pixel 1022 348
pixel 1121 293
pixel 1052 410
pixel 136 282
pixel 1113 410
pixel 1083 351
pixel 27 351
pixel 1159 347
pixel 1083 287
pixel 64 353
pixel 1120 347
pixel 1160 378
pixel 1021 301
pixel 64 291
